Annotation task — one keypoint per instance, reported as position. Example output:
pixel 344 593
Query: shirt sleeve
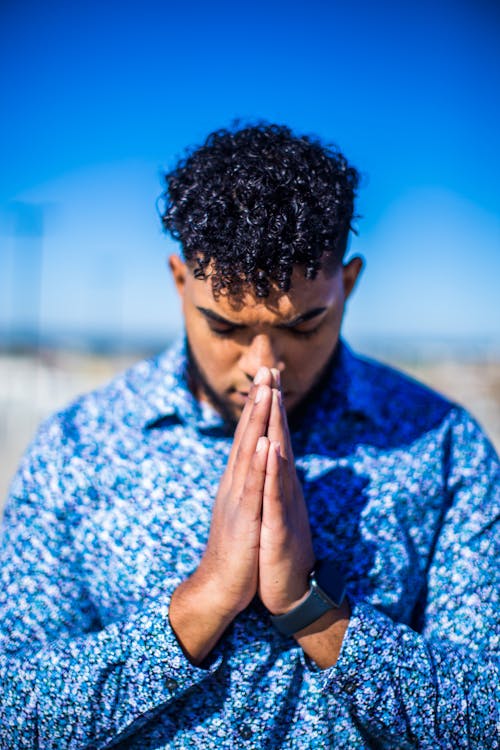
pixel 66 681
pixel 439 687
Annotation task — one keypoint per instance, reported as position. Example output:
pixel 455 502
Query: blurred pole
pixel 28 229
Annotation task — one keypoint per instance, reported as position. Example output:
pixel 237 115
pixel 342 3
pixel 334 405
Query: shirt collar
pixel 165 393
pixel 350 378
pixel 344 391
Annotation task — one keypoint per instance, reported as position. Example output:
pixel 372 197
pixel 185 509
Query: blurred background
pixel 99 98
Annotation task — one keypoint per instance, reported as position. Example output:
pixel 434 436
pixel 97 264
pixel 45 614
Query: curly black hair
pixel 252 203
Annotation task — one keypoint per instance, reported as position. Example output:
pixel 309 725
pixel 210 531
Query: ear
pixel 179 273
pixel 350 274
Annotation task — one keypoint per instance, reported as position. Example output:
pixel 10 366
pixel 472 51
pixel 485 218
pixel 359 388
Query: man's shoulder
pixel 386 378
pixel 128 400
pixel 392 397
pixel 98 428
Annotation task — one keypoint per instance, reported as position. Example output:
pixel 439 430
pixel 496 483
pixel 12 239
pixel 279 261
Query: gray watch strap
pixel 325 576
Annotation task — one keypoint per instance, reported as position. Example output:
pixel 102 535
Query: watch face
pixel 330 580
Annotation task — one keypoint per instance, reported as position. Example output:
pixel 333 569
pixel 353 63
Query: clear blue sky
pixel 97 97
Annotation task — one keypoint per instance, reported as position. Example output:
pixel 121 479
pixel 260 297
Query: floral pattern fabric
pixel 110 509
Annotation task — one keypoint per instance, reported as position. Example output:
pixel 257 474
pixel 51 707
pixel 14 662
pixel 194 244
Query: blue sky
pixel 98 98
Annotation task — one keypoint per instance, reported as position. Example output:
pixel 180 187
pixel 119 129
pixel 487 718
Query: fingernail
pixel 260 375
pixel 259 395
pixel 277 376
pixel 260 444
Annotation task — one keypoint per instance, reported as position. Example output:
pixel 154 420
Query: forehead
pixel 305 294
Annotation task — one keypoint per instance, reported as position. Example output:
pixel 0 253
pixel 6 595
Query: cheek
pixel 308 358
pixel 218 357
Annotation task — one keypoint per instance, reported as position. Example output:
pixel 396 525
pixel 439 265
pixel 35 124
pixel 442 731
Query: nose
pixel 261 352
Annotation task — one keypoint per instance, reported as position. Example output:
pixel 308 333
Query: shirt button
pixel 245 731
pixel 171 684
pixel 349 687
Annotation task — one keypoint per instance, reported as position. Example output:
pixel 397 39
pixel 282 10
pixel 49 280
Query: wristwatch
pixel 327 591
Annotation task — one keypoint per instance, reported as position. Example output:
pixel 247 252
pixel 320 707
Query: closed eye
pixel 223 332
pixel 304 334
pixel 230 330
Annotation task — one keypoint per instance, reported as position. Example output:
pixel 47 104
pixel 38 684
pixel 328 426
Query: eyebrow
pixel 302 318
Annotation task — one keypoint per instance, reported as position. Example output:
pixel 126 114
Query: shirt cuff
pixel 368 637
pixel 161 670
pixel 367 650
pixel 380 660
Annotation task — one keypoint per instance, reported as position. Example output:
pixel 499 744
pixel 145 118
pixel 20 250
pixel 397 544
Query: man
pixel 325 578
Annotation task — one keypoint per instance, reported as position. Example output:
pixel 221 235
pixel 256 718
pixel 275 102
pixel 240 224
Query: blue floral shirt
pixel 110 510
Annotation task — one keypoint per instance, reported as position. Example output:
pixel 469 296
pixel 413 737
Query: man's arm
pixel 64 675
pixel 286 554
pixel 225 582
pixel 440 688
pixel 322 639
pixel 64 678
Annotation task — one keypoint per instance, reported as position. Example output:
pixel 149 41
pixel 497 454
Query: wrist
pixel 326 592
pixel 211 596
pixel 283 607
pixel 196 619
pixel 322 640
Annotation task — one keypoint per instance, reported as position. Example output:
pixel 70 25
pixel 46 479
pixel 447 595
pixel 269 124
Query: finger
pixel 255 428
pixel 241 426
pixel 279 432
pixel 263 377
pixel 276 378
pixel 278 425
pixel 286 432
pixel 273 510
pixel 251 497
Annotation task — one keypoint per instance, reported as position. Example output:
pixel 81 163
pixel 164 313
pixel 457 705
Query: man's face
pixel 295 332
